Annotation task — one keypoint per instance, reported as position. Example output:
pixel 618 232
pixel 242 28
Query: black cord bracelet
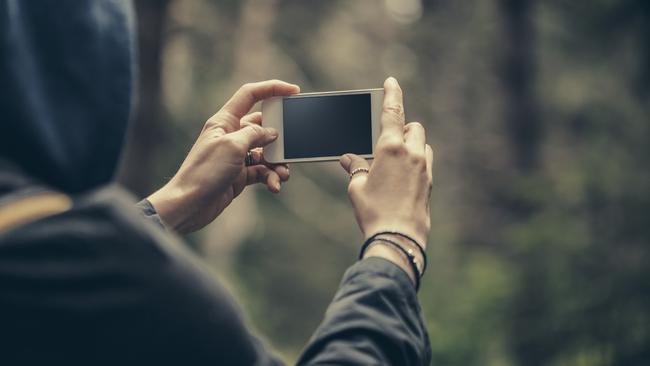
pixel 424 255
pixel 409 257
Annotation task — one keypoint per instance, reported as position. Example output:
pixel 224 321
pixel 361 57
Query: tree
pixel 147 131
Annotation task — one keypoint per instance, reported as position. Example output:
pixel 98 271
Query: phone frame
pixel 272 116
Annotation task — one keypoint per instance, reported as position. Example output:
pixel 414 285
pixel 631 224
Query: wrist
pixel 412 248
pixel 407 253
pixel 388 231
pixel 168 202
pixel 383 250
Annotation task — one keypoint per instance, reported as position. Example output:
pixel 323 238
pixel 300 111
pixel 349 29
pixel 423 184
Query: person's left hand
pixel 213 172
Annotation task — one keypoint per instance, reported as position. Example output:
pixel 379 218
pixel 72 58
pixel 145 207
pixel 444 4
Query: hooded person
pixel 89 277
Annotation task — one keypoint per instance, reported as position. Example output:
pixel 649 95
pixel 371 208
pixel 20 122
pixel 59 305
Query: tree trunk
pixel 523 127
pixel 519 72
pixel 138 161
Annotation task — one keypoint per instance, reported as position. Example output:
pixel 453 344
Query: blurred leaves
pixel 541 263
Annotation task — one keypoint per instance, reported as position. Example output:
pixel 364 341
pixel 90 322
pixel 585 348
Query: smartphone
pixel 323 126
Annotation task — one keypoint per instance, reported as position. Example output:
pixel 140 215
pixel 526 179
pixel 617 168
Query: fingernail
pixel 346 160
pixel 277 186
pixel 392 80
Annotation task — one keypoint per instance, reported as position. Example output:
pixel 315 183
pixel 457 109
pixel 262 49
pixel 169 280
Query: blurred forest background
pixel 539 115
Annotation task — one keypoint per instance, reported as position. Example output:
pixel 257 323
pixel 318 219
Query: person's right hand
pixel 394 195
pixel 214 171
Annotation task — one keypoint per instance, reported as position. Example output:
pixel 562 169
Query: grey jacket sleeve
pixel 374 319
pixel 147 211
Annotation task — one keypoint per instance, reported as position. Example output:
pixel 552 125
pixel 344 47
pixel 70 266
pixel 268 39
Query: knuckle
pixel 393 147
pixel 395 109
pixel 417 125
pixel 255 129
pixel 246 88
pixel 211 122
pixel 418 161
pixel 214 127
pixel 355 191
pixel 356 184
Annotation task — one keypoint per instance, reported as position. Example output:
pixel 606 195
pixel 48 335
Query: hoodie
pixel 85 278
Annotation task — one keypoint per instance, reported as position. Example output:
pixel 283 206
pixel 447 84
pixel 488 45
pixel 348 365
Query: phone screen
pixel 327 125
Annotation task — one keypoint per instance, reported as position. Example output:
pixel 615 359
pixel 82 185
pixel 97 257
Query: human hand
pixel 213 172
pixel 394 194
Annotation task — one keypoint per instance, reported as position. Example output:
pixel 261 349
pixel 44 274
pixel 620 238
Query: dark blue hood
pixel 66 85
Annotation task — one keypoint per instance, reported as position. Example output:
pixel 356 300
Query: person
pixel 88 277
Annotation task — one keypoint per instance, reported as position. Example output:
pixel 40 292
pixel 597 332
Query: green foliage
pixel 539 266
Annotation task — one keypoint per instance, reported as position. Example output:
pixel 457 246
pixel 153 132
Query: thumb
pixel 350 162
pixel 253 135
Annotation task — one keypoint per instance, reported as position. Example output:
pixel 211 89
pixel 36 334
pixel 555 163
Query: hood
pixel 66 85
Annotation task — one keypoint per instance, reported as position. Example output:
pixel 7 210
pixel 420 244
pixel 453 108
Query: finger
pixel 256 157
pixel 252 118
pixel 282 170
pixel 252 136
pixel 262 174
pixel 428 151
pixel 415 137
pixel 227 119
pixel 249 94
pixel 273 182
pixel 351 162
pixel 392 115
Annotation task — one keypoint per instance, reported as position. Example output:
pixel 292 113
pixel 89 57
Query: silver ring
pixel 358 170
pixel 249 158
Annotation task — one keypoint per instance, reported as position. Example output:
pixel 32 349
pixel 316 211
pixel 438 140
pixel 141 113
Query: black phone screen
pixel 327 126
